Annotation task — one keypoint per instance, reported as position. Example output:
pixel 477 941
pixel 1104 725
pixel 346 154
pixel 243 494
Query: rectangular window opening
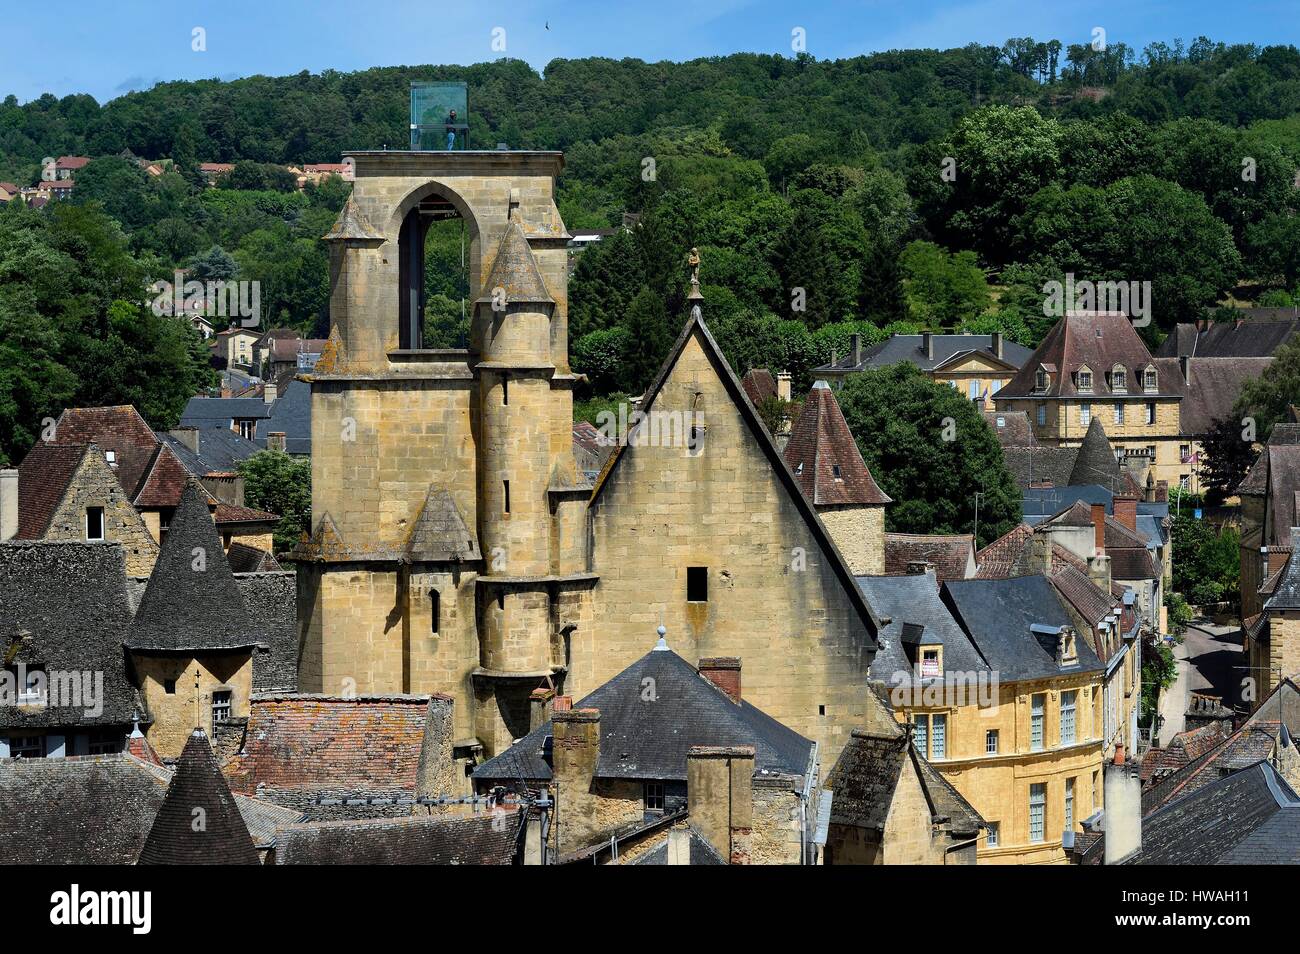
pixel 697 584
pixel 94 523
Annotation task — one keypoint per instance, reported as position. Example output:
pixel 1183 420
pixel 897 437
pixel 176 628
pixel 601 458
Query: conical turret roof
pixel 192 601
pixel 352 224
pixel 198 822
pixel 825 458
pixel 1095 463
pixel 515 271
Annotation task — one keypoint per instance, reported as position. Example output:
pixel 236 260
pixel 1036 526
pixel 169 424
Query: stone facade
pixel 94 484
pixel 169 688
pixel 859 533
pixel 535 585
pixel 998 784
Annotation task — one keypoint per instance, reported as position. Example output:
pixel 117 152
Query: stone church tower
pixel 447 553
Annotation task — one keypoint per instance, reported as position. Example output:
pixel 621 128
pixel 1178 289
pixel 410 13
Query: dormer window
pixel 931 662
pixel 1040 380
pixel 1067 652
pixel 1085 379
pixel 1149 380
pixel 1118 378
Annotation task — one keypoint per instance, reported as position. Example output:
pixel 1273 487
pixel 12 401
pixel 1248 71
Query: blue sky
pixel 107 48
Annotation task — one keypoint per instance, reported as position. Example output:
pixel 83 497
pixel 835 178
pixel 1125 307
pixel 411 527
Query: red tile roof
pixel 759 385
pixel 229 513
pixel 71 162
pixel 950 554
pixel 824 457
pixel 43 479
pixel 164 482
pixel 316 743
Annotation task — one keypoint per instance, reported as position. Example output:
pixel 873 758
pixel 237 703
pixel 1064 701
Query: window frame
pixel 1038 800
pixel 227 704
pixel 103 525
pixel 991 736
pixel 1072 709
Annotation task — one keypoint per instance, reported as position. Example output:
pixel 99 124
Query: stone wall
pixel 95 485
pixel 859 532
pixel 663 510
pixel 174 713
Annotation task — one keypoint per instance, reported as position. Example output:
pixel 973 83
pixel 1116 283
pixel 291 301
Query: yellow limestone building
pixel 455 547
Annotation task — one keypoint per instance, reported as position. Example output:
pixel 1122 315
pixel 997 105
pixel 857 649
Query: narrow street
pixel 1209 660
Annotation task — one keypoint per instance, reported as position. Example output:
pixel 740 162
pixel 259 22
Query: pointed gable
pixel 198 822
pixel 439 532
pixel 352 225
pixel 165 481
pixel 192 602
pixel 515 272
pixel 825 458
pixel 697 333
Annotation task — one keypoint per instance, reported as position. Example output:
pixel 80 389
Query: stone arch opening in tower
pixel 434 275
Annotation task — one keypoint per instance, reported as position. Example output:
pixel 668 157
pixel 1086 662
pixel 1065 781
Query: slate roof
pixel 1286 594
pixel 702 851
pixel 1249 817
pixel 1230 339
pixel 641 739
pixel 1283 486
pixel 192 604
pixel 1256 479
pixel 439 532
pixel 1040 463
pixel 64 605
pixel 174 839
pixel 298 746
pixel 998 614
pixel 272 600
pixel 221 450
pixel 219 412
pixel 486 839
pixel 866 775
pixel 291 416
pixel 1252 742
pixel 824 457
pixel 246 559
pixel 1048 501
pixel 1213 390
pixel 953 555
pixel 1012 428
pixel 93 810
pixel 352 224
pixel 1099 341
pixel 944 349
pixel 1282 705
pixel 1094 461
pixel 914 600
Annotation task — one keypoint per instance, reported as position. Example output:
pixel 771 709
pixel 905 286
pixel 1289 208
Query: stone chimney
pixel 723 672
pixel 927 345
pixel 575 753
pixel 8 503
pixel 1099 527
pixel 1126 510
pixel 275 440
pixel 720 797
pixel 855 343
pixel 1099 571
pixel 436 773
pixel 540 705
pixel 270 392
pixel 784 385
pixel 996 346
pixel 1037 555
pixel 1122 821
pixel 189 436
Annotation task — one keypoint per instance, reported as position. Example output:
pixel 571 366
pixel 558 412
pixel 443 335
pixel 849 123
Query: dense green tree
pixel 1229 452
pixel 930 449
pixel 942 288
pixel 280 484
pixel 1267 399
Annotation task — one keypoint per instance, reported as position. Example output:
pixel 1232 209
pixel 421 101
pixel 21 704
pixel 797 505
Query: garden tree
pixel 1134 230
pixel 1207 563
pixel 280 484
pixel 1229 451
pixel 1267 399
pixel 1002 156
pixel 941 288
pixel 932 452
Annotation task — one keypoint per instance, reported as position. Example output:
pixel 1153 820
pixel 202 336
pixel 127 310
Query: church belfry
pixel 447 549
